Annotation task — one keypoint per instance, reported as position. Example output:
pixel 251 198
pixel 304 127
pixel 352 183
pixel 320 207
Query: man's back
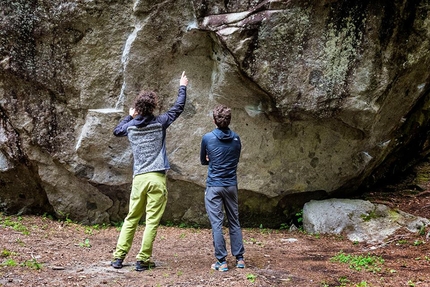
pixel 148 148
pixel 222 147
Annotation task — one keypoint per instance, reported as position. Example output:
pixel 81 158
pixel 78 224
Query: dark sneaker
pixel 144 265
pixel 240 263
pixel 117 263
pixel 220 266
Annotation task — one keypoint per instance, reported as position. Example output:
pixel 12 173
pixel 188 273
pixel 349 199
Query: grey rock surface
pixel 360 220
pixel 326 97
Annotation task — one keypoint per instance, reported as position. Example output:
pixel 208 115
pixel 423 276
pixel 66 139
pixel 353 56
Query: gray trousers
pixel 217 197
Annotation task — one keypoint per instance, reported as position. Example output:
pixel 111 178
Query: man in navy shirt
pixel 220 149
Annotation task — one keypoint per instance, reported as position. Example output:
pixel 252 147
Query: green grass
pixel 85 244
pixel 33 264
pixel 14 223
pixel 359 262
pixel 369 216
pixel 7 253
pixel 418 242
pixel 251 277
pixel 9 262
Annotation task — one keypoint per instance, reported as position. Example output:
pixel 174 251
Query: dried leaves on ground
pixel 38 251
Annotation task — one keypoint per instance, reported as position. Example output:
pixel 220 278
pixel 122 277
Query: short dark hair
pixel 222 116
pixel 146 102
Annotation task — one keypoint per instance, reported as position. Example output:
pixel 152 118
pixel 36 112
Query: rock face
pixel 327 96
pixel 360 220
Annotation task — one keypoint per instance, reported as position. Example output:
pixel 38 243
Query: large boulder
pixel 326 96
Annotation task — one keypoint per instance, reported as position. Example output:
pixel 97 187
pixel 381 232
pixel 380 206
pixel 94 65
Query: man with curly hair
pixel 147 136
pixel 220 149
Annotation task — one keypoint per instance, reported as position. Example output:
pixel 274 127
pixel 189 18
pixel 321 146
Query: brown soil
pixel 70 254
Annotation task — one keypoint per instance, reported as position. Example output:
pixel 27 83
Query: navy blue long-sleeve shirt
pixel 222 147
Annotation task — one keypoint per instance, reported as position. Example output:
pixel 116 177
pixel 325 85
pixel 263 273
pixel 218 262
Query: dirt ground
pixel 52 253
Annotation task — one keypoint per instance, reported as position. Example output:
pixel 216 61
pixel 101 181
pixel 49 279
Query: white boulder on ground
pixel 359 220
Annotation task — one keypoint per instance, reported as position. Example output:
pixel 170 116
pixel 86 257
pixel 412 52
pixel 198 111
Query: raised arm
pixel 173 113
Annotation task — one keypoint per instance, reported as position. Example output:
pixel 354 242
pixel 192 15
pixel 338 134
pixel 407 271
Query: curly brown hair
pixel 222 116
pixel 146 102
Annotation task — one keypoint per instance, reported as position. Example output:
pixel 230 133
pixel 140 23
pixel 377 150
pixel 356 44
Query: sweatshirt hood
pixel 224 134
pixel 143 121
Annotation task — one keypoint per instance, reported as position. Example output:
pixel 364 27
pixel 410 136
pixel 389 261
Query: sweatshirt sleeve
pixel 173 113
pixel 121 128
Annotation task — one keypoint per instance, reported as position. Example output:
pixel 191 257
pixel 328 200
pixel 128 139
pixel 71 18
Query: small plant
pixel 343 281
pixel 362 284
pixel 16 225
pixel 66 220
pixel 86 243
pixel 251 277
pixel 299 216
pixel 418 242
pixel 88 230
pixel 369 216
pixel 33 264
pixel 47 216
pixel 411 283
pixel 358 262
pixel 9 262
pixel 6 253
pixel 284 226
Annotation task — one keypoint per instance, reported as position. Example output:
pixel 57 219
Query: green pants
pixel 148 195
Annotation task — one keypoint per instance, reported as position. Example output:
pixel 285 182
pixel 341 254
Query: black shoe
pixel 117 263
pixel 144 265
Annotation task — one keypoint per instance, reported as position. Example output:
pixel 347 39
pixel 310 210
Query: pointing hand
pixel 184 80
